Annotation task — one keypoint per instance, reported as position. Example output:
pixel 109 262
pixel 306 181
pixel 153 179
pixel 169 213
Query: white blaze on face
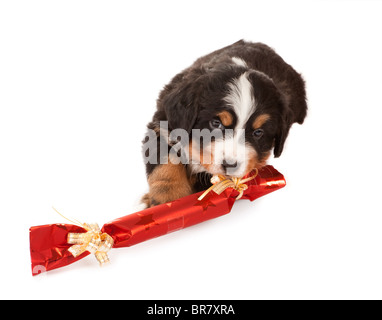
pixel 241 99
pixel 233 148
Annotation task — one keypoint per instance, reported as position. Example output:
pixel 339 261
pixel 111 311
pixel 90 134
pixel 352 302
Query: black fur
pixel 196 95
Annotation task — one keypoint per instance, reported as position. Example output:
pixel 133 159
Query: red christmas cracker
pixel 57 245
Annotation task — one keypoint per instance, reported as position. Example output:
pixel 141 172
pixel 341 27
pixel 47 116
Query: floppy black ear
pixel 181 107
pixel 280 140
pixel 293 109
pixel 285 122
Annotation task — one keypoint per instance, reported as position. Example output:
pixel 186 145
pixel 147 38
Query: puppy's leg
pixel 167 182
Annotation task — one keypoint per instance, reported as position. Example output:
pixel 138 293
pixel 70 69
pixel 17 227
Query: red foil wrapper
pixel 49 246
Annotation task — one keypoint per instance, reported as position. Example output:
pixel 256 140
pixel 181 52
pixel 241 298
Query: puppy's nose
pixel 227 165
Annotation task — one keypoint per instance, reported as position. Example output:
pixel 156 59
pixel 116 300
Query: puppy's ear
pixel 181 106
pixel 292 110
pixel 285 122
pixel 280 140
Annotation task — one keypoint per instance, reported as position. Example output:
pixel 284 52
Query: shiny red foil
pixel 49 247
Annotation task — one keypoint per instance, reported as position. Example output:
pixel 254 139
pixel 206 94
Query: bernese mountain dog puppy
pixel 222 115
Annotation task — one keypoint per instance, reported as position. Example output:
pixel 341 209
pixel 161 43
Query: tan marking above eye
pixel 260 120
pixel 225 118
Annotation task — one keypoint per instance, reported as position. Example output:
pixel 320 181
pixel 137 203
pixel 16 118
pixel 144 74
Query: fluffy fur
pixel 246 92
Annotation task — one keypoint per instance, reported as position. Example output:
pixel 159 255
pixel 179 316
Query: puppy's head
pixel 235 117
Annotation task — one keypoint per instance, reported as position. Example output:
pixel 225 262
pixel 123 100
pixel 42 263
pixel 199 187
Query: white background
pixel 79 82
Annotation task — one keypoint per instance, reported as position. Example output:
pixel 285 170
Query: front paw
pixel 162 193
pixel 167 183
pixel 148 201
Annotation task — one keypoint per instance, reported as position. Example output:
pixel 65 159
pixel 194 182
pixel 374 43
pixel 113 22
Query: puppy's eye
pixel 258 133
pixel 216 124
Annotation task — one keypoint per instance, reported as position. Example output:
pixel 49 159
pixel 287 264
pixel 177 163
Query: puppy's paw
pixel 167 183
pixel 165 193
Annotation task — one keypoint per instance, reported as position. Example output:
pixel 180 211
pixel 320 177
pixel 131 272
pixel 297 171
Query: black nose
pixel 227 165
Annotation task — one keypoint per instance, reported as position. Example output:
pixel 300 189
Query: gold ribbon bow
pixel 220 183
pixel 93 241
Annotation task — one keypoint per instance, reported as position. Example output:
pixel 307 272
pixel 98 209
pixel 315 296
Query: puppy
pixel 222 115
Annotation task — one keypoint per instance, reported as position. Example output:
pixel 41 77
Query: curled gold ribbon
pixel 220 183
pixel 93 241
